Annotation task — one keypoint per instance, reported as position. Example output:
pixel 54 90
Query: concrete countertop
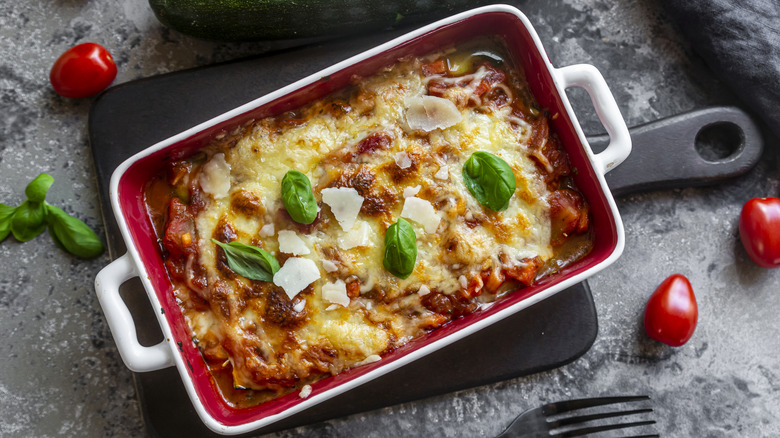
pixel 61 375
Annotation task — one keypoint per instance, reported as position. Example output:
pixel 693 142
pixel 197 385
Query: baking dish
pixel 143 259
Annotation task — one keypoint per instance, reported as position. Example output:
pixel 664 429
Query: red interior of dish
pixel 520 44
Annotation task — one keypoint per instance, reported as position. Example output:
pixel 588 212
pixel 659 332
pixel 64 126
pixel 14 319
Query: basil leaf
pixel 6 213
pixel 249 261
pixel 298 198
pixel 490 180
pixel 400 249
pixel 28 221
pixel 36 190
pixel 73 234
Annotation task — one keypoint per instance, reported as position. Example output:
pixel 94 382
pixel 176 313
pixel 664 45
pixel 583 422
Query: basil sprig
pixel 400 249
pixel 490 180
pixel 249 261
pixel 298 198
pixel 29 219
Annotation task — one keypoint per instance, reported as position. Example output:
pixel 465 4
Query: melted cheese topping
pixel 377 154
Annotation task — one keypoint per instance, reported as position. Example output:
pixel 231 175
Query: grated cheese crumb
pixel 443 173
pixel 369 359
pixel 402 160
pixel 329 266
pixel 412 191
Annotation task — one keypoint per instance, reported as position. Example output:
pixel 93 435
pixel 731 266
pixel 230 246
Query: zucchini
pixel 252 20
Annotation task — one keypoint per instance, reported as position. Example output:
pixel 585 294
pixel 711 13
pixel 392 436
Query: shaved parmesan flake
pixel 291 243
pixel 423 290
pixel 305 391
pixel 430 112
pixel 267 230
pixel 357 236
pixel 443 173
pixel 335 293
pixel 296 274
pixel 402 160
pixel 299 306
pixel 329 266
pixel 412 191
pixel 422 212
pixel 215 177
pixel 344 203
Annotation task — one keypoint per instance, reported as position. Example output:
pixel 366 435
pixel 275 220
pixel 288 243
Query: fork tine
pixel 571 405
pixel 584 418
pixel 594 429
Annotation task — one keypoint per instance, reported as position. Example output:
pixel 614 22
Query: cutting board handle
pixel 665 152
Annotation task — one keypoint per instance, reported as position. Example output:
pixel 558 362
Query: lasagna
pixel 397 148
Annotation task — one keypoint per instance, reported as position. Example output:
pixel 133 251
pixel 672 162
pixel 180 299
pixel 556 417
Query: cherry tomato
pixel 83 71
pixel 759 230
pixel 671 312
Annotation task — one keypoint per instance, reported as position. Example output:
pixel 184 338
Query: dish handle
pixel 137 357
pixel 589 78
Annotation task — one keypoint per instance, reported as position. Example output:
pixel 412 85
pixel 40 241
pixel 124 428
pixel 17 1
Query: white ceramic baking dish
pixel 143 259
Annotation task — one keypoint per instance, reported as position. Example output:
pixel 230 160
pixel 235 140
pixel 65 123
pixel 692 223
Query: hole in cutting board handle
pixel 719 141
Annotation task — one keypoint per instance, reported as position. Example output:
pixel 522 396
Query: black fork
pixel 537 422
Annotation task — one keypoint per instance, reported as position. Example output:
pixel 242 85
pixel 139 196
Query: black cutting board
pixel 132 116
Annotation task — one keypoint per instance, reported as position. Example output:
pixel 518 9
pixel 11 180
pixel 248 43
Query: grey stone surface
pixel 60 374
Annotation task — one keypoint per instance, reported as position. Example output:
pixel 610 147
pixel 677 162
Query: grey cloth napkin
pixel 740 41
